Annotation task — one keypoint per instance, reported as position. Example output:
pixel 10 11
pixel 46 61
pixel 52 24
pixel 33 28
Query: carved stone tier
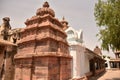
pixel 47 30
pixel 43 47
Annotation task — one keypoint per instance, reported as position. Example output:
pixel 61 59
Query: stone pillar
pixel 2 50
pixel 98 64
pixel 110 65
pixel 94 67
pixel 117 55
pixel 117 64
pixel 9 63
pixel 114 64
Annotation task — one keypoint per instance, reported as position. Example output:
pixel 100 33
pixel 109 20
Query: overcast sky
pixel 79 14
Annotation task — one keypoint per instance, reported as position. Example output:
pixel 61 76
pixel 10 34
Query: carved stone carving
pixel 4 28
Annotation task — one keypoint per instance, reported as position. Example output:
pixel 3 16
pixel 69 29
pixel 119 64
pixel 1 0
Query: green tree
pixel 107 16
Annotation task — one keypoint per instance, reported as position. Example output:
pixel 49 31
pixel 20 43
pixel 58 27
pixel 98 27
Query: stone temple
pixel 43 52
pixel 47 49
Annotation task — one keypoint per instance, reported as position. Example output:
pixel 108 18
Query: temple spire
pixel 64 22
pixel 63 18
pixel 46 4
pixel 45 10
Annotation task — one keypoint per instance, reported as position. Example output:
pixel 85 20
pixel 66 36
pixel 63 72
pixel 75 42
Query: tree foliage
pixel 107 15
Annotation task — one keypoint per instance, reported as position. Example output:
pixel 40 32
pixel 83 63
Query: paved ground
pixel 108 75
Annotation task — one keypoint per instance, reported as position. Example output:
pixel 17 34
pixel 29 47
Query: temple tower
pixel 97 50
pixel 42 49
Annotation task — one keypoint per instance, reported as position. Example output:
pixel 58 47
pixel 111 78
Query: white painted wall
pixel 81 52
pixel 78 61
pixel 80 58
pixel 86 65
pixel 74 70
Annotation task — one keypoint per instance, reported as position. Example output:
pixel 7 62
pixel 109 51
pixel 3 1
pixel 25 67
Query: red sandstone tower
pixel 43 50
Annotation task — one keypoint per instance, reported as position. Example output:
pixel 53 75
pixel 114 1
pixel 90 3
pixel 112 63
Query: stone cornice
pixel 44 24
pixel 22 41
pixel 43 54
pixel 40 19
pixel 6 43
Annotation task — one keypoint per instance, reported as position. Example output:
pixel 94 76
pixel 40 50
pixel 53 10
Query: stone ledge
pixel 43 54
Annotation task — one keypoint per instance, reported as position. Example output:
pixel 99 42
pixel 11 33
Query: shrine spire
pixel 46 4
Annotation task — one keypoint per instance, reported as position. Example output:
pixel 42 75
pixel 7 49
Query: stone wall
pixel 1 60
pixel 9 62
pixel 43 68
pixel 65 71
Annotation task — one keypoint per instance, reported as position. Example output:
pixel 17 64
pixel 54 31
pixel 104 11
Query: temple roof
pixel 114 60
pixel 92 52
pixel 45 10
pixel 117 52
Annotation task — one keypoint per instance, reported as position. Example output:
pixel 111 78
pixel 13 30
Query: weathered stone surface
pixel 7 61
pixel 42 49
pixel 7 51
pixel 4 28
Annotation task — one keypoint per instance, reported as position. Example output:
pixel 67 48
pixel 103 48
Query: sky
pixel 78 13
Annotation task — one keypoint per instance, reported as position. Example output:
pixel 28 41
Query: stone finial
pixel 6 19
pixel 6 23
pixel 64 21
pixel 45 10
pixel 63 18
pixel 46 4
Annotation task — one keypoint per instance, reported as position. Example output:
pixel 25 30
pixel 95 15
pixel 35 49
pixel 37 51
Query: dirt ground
pixel 108 75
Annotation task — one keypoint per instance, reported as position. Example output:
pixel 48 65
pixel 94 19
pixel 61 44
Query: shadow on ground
pixel 113 79
pixel 98 76
pixel 116 79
